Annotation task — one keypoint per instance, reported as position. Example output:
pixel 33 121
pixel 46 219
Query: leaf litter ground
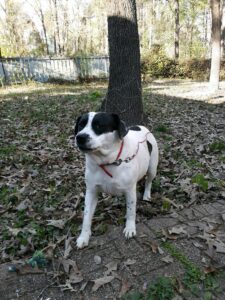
pixel 42 175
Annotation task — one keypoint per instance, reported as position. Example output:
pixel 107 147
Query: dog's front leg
pixel 131 199
pixel 89 209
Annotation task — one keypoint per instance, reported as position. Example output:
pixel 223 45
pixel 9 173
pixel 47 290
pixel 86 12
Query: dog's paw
pixel 129 231
pixel 83 241
pixel 147 196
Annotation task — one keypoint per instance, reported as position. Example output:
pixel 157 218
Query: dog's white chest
pixel 115 185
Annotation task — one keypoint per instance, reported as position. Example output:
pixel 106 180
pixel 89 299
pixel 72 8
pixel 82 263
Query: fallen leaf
pixel 160 250
pixel 167 235
pixel 83 286
pixel 23 205
pixel 112 266
pixel 68 247
pixel 67 286
pixel 27 269
pixel 15 231
pixel 177 230
pixel 179 287
pixel 209 270
pixel 167 259
pixel 220 246
pixel 125 287
pixel 167 200
pixel 75 277
pixel 68 264
pixel 154 246
pixel 101 281
pixel 57 223
pixel 197 245
pixel 129 262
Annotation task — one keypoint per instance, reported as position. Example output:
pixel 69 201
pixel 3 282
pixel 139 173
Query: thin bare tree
pixel 216 44
pixel 223 30
pixel 177 29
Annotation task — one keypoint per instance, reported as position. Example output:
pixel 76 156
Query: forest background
pixel 175 36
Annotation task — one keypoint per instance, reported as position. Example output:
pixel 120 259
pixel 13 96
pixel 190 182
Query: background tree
pixel 223 30
pixel 216 43
pixel 177 29
pixel 124 89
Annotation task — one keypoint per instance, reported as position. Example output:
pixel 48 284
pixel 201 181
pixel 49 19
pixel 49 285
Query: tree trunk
pixel 223 31
pixel 177 30
pixel 57 26
pixel 124 89
pixel 215 41
pixel 44 30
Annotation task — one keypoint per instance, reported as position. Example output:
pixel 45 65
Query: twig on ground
pixel 45 288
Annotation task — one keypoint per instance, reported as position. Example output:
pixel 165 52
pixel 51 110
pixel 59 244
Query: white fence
pixel 18 69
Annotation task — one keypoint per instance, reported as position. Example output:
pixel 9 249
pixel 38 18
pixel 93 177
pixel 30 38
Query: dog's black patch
pixel 149 147
pixel 135 128
pixel 81 123
pixel 104 123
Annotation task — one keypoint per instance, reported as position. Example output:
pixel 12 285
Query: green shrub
pixel 156 64
pixel 194 69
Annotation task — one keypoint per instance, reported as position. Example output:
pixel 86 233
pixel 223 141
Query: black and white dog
pixel 116 159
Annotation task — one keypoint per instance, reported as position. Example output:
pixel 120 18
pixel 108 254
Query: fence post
pixel 3 70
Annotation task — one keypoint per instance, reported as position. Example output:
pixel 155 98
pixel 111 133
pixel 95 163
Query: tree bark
pixel 216 43
pixel 177 30
pixel 124 95
pixel 44 29
pixel 223 30
pixel 57 26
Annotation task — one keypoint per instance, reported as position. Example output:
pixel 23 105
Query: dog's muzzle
pixel 82 141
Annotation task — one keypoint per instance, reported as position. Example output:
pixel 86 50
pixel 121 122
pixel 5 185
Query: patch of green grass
pixel 23 238
pixel 194 163
pixel 182 259
pixel 7 150
pixel 100 229
pixel 133 296
pixel 167 148
pixel 162 289
pixel 193 278
pixel 201 181
pixel 22 219
pixel 156 187
pixel 163 129
pixel 5 235
pixel 169 173
pixel 95 95
pixel 8 196
pixel 177 154
pixel 217 146
pixel 222 158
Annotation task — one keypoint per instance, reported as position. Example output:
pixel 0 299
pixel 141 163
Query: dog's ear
pixel 121 126
pixel 76 126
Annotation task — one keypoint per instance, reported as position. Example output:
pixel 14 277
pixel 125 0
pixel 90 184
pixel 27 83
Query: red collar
pixel 118 156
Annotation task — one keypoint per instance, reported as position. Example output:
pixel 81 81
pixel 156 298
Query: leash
pixel 118 160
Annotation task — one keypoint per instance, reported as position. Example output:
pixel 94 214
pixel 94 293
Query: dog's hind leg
pixel 152 170
pixel 90 205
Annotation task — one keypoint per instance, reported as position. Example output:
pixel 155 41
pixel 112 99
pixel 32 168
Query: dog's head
pixel 96 131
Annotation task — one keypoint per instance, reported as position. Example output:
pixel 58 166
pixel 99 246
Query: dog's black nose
pixel 82 139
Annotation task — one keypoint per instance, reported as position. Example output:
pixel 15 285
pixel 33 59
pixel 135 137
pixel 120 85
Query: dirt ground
pixel 42 192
